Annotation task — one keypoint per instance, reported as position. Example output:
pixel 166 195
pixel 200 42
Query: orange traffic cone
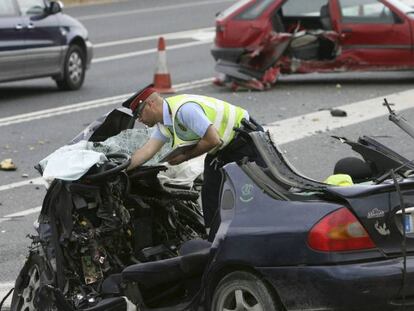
pixel 162 78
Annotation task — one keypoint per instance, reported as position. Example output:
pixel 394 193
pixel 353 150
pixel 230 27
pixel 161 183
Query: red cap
pixel 143 95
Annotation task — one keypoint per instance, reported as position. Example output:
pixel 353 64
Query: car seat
pixel 325 17
pixel 305 46
pixel 358 169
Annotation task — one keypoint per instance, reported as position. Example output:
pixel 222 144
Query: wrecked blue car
pixel 112 240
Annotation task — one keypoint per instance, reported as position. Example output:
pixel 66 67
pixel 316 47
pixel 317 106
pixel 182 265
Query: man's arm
pixel 146 152
pixel 209 141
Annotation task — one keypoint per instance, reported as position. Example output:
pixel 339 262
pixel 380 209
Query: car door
pixel 12 45
pixel 44 37
pixel 373 34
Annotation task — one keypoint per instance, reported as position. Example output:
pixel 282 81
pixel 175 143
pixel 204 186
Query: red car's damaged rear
pixel 256 40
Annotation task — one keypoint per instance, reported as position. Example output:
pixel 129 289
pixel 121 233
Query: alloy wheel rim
pixel 28 294
pixel 241 300
pixel 75 67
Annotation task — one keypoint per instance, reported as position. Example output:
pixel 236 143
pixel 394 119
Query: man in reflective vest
pixel 205 123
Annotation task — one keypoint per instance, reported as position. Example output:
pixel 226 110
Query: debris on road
pixel 335 112
pixel 338 113
pixel 7 165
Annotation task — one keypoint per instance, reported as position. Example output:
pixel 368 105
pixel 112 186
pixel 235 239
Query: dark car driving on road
pixel 37 40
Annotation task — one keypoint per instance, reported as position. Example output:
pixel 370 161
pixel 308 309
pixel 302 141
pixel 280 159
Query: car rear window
pixel 232 9
pixel 303 7
pixel 255 10
pixel 7 8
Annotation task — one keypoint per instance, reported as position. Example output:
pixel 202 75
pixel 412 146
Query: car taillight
pixel 219 28
pixel 339 231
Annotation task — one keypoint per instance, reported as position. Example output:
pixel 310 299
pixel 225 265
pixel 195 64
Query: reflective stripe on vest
pixel 222 115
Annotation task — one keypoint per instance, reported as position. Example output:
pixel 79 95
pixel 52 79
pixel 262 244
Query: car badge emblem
pixel 382 229
pixel 247 195
pixel 375 213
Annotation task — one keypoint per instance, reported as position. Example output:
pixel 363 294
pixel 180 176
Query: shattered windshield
pixel 128 141
pixel 70 162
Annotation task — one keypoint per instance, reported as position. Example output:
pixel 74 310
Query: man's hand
pixel 178 159
pixel 208 142
pixel 146 152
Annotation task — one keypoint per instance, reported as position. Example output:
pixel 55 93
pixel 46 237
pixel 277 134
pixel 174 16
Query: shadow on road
pixel 16 92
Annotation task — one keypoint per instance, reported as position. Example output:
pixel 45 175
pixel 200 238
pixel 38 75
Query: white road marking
pixel 4 289
pixel 34 181
pixel 148 10
pixel 6 285
pixel 200 34
pixel 321 121
pixel 97 103
pixel 149 51
pixel 26 212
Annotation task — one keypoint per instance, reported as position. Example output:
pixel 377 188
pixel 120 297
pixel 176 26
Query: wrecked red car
pixel 257 40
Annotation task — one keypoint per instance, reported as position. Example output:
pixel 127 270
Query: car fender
pixel 75 33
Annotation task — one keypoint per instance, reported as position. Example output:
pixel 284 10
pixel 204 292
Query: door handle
pixel 19 27
pixel 347 30
pixel 30 26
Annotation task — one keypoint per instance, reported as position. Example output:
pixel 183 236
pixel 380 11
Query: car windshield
pixel 232 9
pixel 302 8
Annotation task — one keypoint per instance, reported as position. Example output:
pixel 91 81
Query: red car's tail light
pixel 339 231
pixel 219 28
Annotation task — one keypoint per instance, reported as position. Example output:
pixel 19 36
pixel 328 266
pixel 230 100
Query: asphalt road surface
pixel 36 118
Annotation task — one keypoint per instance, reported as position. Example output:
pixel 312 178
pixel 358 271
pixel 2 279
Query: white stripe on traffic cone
pixel 162 78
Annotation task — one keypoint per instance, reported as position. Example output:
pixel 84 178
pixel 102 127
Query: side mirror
pixel 55 7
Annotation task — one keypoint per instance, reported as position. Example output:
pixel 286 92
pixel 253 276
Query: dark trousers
pixel 213 180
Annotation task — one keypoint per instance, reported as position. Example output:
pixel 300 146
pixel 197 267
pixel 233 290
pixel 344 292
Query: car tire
pixel 242 290
pixel 26 295
pixel 73 70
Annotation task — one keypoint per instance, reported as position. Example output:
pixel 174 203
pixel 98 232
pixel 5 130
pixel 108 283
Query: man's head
pixel 146 106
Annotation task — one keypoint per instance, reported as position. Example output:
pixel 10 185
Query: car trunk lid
pixel 378 209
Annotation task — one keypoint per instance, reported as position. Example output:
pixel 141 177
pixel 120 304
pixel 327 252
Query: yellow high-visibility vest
pixel 221 114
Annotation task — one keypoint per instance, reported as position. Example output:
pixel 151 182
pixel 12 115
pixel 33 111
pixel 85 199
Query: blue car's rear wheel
pixel 243 291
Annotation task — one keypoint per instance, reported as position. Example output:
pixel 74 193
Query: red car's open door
pixel 373 33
